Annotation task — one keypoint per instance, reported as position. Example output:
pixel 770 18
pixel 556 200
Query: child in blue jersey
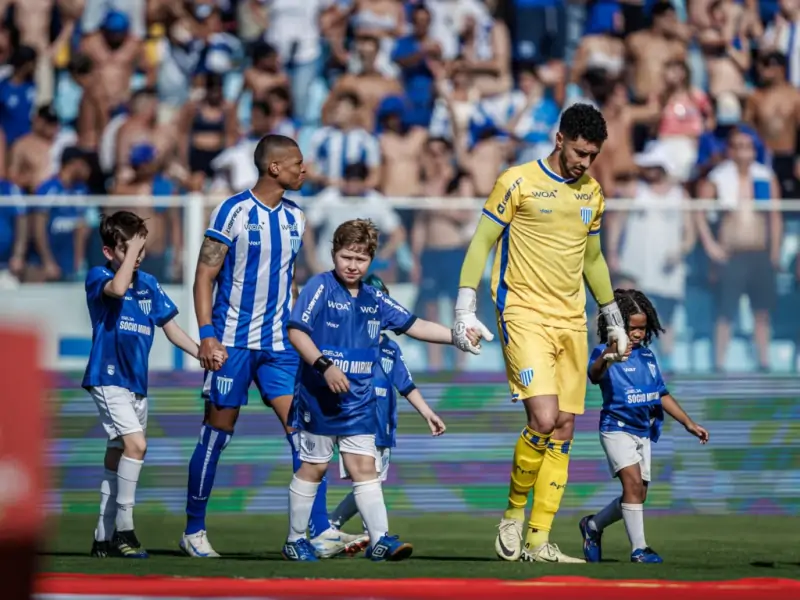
pixel 635 399
pixel 391 375
pixel 125 306
pixel 336 327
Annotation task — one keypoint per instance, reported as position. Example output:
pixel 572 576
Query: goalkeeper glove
pixel 466 304
pixel 615 326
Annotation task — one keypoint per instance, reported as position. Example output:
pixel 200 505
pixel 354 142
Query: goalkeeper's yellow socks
pixel 528 457
pixel 548 492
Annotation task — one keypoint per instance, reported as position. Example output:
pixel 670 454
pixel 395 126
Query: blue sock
pixel 202 469
pixel 319 512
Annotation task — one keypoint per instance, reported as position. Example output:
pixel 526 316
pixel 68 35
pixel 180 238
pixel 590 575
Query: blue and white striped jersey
pixel 333 149
pixel 254 285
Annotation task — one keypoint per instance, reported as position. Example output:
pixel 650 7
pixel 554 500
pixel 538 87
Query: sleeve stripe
pixel 300 327
pixel 486 213
pixel 411 320
pixel 220 237
pixel 595 232
pixel 404 393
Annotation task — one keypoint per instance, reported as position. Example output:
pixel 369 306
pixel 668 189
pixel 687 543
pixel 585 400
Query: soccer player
pixel 545 218
pixel 336 326
pixel 391 374
pixel 125 305
pixel 635 399
pixel 248 253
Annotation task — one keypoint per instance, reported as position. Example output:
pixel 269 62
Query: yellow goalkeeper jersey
pixel 538 267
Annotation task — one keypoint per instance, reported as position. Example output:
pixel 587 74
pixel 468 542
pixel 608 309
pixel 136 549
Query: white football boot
pixel 332 542
pixel 508 544
pixel 197 545
pixel 549 553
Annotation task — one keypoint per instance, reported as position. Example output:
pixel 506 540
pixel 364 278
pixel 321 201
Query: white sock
pixel 608 516
pixel 127 478
pixel 108 507
pixel 346 510
pixel 369 499
pixel 301 500
pixel 633 515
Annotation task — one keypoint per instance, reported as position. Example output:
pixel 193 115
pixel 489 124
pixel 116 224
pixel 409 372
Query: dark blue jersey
pixel 391 376
pixel 632 392
pixel 123 329
pixel 346 329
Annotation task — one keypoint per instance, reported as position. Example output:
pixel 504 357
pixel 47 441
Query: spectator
pixel 746 251
pixel 342 143
pixel 774 110
pixel 382 20
pixel 485 46
pixel 280 113
pixel 401 148
pixel 780 37
pixel 18 95
pixel 657 215
pixel 92 116
pixel 59 231
pixel 334 206
pixel 368 83
pixel 265 73
pixel 457 100
pixel 147 181
pixel 207 126
pixel 601 47
pixel 13 231
pixel 30 160
pixel 726 49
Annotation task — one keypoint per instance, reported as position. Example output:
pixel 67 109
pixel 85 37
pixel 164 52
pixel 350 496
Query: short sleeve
pixel 597 221
pixel 504 200
pixel 96 280
pixel 226 222
pixel 164 309
pixel 401 377
pixel 598 350
pixel 315 144
pixel 372 150
pixel 394 316
pixel 308 307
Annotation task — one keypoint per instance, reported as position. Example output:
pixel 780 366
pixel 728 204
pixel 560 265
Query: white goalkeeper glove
pixel 615 326
pixel 466 305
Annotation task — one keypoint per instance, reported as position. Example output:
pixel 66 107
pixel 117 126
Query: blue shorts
pixel 273 371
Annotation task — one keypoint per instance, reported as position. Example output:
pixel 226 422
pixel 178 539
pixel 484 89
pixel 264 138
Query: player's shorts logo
pixel 224 385
pixel 387 364
pixel 295 241
pixel 373 328
pixel 586 215
pixel 146 305
pixel 526 376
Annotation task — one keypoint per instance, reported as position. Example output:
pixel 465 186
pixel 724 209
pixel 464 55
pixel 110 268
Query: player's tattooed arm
pixel 212 252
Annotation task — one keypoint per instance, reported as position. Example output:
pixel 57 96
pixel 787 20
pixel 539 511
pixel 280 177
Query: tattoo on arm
pixel 212 252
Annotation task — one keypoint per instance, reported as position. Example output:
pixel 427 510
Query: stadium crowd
pixel 413 98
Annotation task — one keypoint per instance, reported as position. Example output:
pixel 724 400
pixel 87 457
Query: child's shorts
pixel 382 458
pixel 121 412
pixel 317 449
pixel 624 450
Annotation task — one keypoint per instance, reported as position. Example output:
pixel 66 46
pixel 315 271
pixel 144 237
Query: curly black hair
pixel 633 302
pixel 583 120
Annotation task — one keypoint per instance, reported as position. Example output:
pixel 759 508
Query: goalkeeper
pixel 544 217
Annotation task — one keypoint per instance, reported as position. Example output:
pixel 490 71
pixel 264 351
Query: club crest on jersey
pixel 387 364
pixel 146 305
pixel 295 242
pixel 224 385
pixel 652 368
pixel 586 215
pixel 373 328
pixel 526 376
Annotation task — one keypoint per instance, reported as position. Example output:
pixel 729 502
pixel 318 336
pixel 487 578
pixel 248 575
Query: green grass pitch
pixel 693 548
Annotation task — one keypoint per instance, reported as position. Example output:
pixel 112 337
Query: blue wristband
pixel 207 331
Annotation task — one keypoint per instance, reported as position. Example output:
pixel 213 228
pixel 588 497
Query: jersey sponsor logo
pixel 526 376
pixel 381 392
pixel 253 227
pixel 584 197
pixel 134 327
pixel 146 305
pixel 142 292
pixel 333 353
pixel 387 364
pixel 224 385
pixel 354 367
pixel 373 328
pixel 586 215
pixel 545 211
pixel 373 310
pixel 652 368
pixel 290 227
pixel 232 220
pixel 254 242
pixel 338 305
pixel 307 312
pixel 332 325
pixel 629 369
pixel 642 398
pixel 544 194
pixel 501 208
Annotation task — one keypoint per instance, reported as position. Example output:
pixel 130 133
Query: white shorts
pixel 121 412
pixel 318 449
pixel 382 458
pixel 624 450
